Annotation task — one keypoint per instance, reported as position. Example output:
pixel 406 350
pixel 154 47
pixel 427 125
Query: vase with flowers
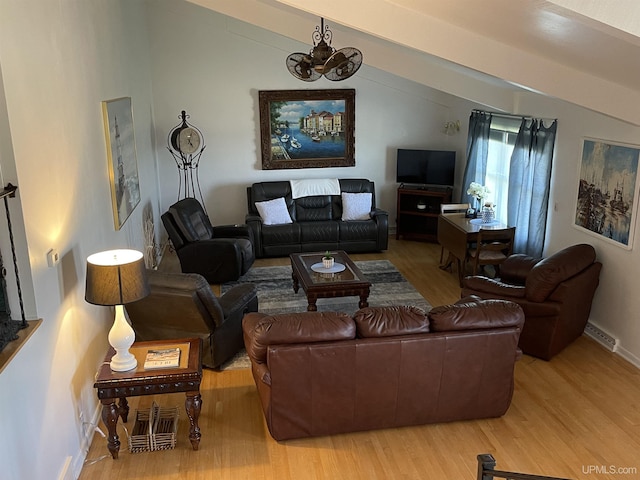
pixel 479 192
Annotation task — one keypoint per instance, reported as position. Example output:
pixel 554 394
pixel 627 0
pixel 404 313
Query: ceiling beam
pixel 435 53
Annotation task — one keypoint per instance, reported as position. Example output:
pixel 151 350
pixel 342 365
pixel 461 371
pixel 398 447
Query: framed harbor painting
pixel 121 155
pixel 607 193
pixel 307 128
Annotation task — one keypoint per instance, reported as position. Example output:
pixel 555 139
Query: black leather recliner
pixel 184 306
pixel 220 254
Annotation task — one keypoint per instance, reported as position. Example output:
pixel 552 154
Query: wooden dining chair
pixel 452 208
pixel 492 248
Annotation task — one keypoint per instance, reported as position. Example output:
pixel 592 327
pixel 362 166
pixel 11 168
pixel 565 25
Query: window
pixel 502 139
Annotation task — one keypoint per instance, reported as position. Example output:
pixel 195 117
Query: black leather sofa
pixel 317 223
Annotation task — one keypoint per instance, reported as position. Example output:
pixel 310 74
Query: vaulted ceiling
pixel 586 52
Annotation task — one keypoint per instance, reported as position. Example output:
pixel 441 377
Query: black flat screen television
pixel 433 168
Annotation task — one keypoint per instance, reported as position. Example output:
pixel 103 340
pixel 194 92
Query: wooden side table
pixel 117 386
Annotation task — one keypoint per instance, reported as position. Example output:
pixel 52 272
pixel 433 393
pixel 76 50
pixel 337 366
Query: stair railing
pixel 487 471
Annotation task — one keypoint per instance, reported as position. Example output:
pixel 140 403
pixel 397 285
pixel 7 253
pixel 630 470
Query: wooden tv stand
pixel 417 211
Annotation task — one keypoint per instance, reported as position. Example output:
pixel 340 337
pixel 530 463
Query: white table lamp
pixel 117 277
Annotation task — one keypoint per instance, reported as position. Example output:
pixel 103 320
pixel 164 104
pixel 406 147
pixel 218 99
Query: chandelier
pixel 323 59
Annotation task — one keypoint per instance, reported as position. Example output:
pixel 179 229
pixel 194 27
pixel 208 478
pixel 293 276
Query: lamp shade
pixel 116 277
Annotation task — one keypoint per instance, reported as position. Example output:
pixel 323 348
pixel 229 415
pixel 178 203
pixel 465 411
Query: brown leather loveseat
pixel 322 373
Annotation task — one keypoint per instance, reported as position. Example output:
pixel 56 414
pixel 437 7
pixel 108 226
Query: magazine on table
pixel 162 358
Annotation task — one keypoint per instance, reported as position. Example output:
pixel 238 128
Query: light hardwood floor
pixel 577 416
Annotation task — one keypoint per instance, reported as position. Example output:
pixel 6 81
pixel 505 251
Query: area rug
pixel 275 294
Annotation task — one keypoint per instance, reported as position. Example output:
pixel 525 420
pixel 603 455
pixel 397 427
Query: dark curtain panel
pixel 529 185
pixel 477 153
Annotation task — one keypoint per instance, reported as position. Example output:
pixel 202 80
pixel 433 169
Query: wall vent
pixel 602 337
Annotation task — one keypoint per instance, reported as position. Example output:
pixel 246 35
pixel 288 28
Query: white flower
pixel 478 191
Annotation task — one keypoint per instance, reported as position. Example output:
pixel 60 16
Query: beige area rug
pixel 275 294
pixel 238 361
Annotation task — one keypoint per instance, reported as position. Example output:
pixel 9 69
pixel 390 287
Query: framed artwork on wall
pixel 121 155
pixel 307 128
pixel 607 192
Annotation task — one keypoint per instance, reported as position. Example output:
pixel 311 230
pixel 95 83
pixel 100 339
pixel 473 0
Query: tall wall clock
pixel 186 144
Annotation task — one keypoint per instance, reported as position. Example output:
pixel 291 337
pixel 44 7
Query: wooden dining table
pixel 456 232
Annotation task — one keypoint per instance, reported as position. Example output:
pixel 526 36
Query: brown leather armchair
pixel 183 305
pixel 555 294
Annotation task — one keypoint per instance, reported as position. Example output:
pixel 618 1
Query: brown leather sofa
pixel 182 305
pixel 555 294
pixel 322 373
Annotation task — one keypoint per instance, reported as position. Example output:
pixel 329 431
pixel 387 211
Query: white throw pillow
pixel 274 212
pixel 356 206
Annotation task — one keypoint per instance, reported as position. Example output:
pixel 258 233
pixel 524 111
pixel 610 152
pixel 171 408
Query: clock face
pixel 188 140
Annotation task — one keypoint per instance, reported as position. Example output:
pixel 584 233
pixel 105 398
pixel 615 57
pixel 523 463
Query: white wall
pixel 59 61
pixel 215 71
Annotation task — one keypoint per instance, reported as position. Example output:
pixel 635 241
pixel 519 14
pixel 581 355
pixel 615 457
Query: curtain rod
pixel 513 115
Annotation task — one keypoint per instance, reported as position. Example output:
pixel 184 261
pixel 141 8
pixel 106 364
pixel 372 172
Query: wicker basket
pixel 154 429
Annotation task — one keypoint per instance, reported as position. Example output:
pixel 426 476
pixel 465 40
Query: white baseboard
pixel 65 472
pixel 88 429
pixel 628 356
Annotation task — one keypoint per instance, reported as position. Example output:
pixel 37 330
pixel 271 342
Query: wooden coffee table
pixel 186 377
pixel 348 282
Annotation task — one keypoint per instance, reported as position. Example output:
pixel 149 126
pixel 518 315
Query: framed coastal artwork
pixel 307 128
pixel 607 192
pixel 121 156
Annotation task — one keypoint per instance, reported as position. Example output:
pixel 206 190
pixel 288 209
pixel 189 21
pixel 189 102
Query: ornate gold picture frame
pixel 307 128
